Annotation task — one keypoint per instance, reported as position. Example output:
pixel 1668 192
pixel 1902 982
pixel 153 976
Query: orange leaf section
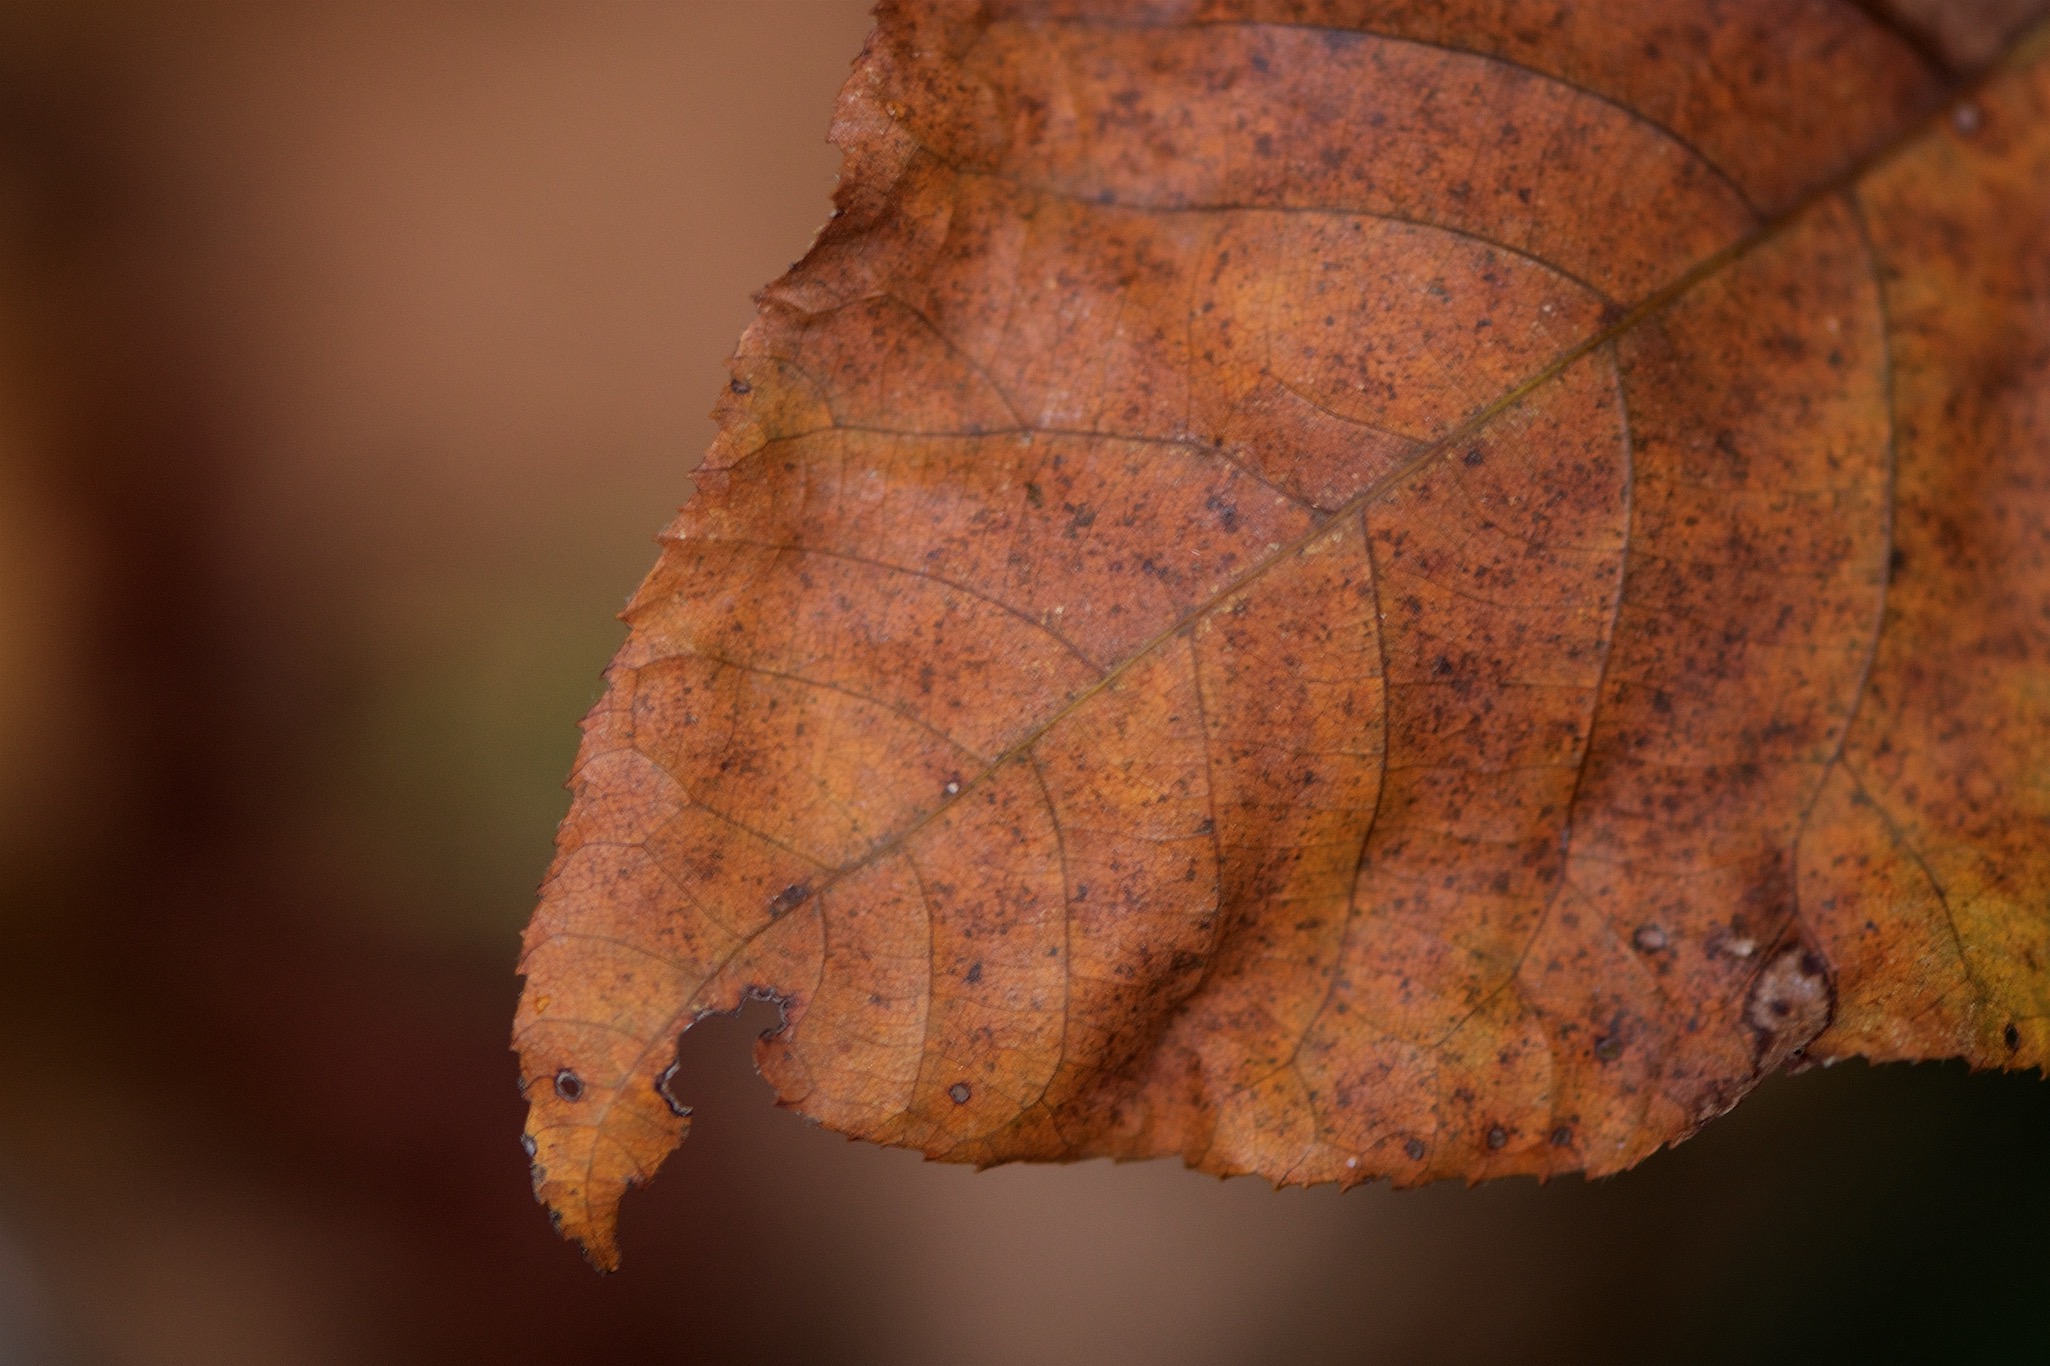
pixel 1344 590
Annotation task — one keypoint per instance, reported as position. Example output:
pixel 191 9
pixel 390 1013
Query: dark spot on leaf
pixel 1415 1149
pixel 789 899
pixel 1608 1049
pixel 1648 939
pixel 2013 1038
pixel 569 1085
pixel 1791 1002
pixel 958 1092
pixel 741 386
pixel 1498 1137
pixel 1562 1137
pixel 975 973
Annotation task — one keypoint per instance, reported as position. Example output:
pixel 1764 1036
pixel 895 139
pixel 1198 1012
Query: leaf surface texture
pixel 1346 590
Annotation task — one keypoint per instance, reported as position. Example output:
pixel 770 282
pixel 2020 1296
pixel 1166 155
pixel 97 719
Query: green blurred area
pixel 350 357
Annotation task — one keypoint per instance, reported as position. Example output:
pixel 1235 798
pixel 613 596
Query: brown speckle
pixel 1608 1048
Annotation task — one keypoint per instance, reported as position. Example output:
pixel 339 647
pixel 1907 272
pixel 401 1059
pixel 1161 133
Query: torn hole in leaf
pixel 662 1082
pixel 704 1045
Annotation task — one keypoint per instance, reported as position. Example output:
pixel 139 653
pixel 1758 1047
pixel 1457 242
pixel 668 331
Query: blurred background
pixel 350 356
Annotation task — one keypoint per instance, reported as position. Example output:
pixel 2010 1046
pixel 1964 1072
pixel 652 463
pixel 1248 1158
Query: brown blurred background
pixel 350 355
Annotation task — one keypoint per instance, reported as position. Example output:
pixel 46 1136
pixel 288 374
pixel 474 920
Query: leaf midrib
pixel 1655 302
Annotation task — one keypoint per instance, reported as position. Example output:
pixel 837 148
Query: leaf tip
pixel 589 1143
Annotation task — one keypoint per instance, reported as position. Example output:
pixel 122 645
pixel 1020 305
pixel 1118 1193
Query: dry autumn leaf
pixel 1346 589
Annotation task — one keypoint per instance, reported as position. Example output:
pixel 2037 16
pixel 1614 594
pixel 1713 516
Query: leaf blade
pixel 952 539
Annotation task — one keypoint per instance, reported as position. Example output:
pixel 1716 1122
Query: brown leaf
pixel 1346 589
